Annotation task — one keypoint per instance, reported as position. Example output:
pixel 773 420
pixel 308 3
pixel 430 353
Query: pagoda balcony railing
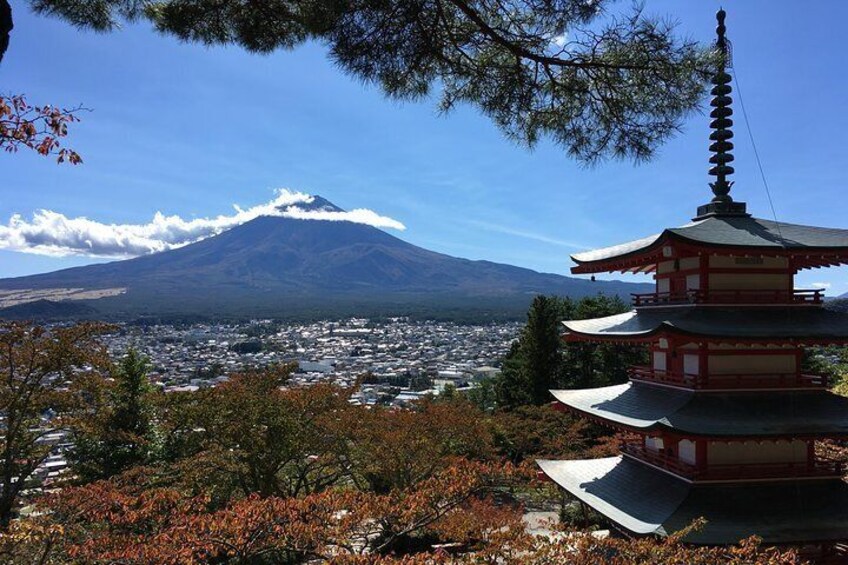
pixel 818 467
pixel 753 296
pixel 659 459
pixel 734 381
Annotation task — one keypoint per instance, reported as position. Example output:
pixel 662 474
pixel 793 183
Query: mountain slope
pixel 281 266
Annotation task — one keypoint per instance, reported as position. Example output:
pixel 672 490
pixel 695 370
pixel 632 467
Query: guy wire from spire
pixel 756 153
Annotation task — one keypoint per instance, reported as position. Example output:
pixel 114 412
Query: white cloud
pixel 527 235
pixel 53 233
pixel 357 216
pixel 560 40
pixel 822 285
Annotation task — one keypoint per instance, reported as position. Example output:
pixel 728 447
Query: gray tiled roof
pixel 748 323
pixel 635 496
pixel 734 231
pixel 647 501
pixel 715 414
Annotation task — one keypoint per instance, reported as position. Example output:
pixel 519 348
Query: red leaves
pixel 36 127
pixel 120 521
pixel 585 549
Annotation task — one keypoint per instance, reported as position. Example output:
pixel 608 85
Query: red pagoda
pixel 727 423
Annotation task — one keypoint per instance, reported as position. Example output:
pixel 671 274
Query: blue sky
pixel 191 131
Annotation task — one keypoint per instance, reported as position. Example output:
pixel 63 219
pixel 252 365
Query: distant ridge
pixel 293 268
pixel 48 309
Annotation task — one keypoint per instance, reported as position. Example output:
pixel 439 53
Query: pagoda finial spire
pixel 721 134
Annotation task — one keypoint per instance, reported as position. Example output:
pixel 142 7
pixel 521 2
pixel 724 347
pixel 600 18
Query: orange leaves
pixel 577 548
pixel 36 127
pixel 483 526
pixel 111 521
pixel 29 541
pixel 299 475
pixel 253 436
pixel 37 364
pixel 395 449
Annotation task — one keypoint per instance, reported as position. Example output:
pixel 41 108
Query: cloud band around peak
pixel 53 233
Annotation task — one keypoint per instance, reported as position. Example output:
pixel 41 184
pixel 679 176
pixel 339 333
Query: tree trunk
pixel 5 26
pixel 6 511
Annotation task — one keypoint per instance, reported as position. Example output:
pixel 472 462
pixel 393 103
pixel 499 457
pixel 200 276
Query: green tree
pixel 539 360
pixel 484 395
pixel 512 387
pixel 532 432
pixel 532 367
pixel 598 80
pixel 117 432
pixel 448 393
pixel 588 364
pixel 540 347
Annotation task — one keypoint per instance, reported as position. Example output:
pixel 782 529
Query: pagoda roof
pixel 762 323
pixel 763 414
pixel 647 501
pixel 722 232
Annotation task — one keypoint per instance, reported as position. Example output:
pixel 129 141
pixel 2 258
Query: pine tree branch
pixel 6 26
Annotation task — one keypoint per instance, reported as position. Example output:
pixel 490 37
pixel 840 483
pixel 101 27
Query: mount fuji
pixel 286 267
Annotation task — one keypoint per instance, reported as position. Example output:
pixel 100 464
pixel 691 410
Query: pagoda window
pixel 750 281
pixel 687 452
pixel 660 361
pixel 691 364
pixel 753 452
pixel 654 443
pixel 689 264
pixel 747 364
pixel 748 263
pixel 665 267
pixel 693 282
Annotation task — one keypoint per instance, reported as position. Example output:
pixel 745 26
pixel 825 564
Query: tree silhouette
pixel 599 82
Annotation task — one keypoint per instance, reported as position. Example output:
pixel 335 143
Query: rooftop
pixel 646 407
pixel 722 234
pixel 810 324
pixel 646 501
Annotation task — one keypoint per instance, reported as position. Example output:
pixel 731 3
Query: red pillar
pixel 701 454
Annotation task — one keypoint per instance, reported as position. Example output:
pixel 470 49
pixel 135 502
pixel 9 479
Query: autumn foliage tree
pixel 37 370
pixel 117 522
pixel 39 128
pixel 252 435
pixel 261 471
pixel 22 125
pixel 538 432
pixel 129 520
pixel 391 449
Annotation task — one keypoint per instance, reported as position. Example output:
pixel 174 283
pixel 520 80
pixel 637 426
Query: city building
pixel 723 423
